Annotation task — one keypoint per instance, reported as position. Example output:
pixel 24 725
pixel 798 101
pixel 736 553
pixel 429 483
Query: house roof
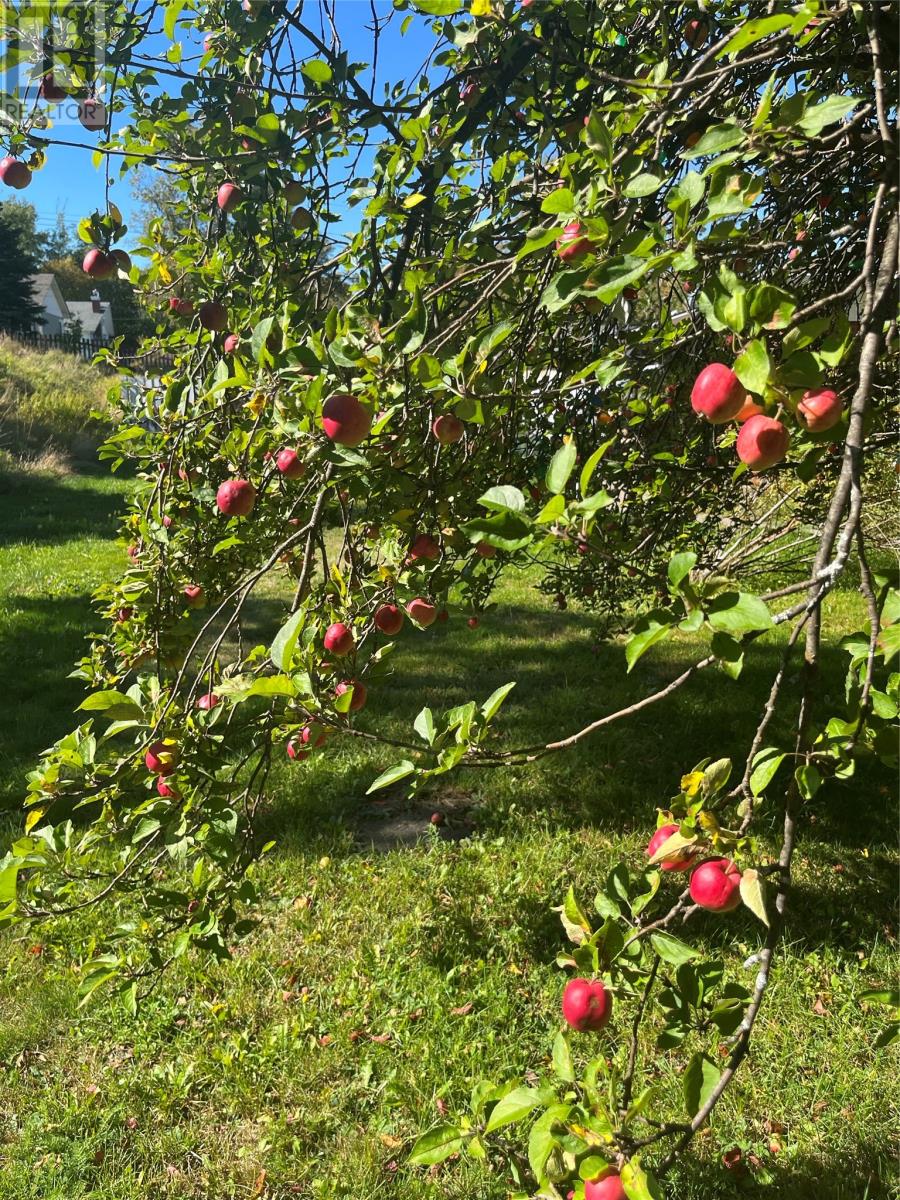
pixel 41 284
pixel 83 312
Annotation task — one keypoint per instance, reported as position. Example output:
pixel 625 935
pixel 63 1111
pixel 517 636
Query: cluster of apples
pixel 719 396
pixel 714 884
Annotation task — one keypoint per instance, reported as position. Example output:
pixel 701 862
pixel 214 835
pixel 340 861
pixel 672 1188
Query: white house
pixel 93 318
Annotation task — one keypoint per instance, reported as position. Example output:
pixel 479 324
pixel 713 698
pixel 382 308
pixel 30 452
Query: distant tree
pixel 58 243
pixel 23 218
pixel 18 309
pixel 130 319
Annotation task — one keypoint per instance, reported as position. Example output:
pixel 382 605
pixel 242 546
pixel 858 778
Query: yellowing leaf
pixel 481 8
pixel 256 404
pixel 164 273
pixel 753 894
pixel 690 784
pixel 33 817
pixel 413 200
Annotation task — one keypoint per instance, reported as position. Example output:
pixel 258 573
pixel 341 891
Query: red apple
pixel 229 197
pixel 294 752
pixel 313 736
pixel 338 639
pixel 572 244
pixel 749 409
pixel 195 596
pixel 389 619
pixel 236 497
pixel 485 550
pixel 290 464
pixel 207 701
pixel 630 293
pixel 213 315
pixel 345 420
pixel 98 264
pixel 168 790
pixel 424 546
pixel 161 758
pixel 469 93
pixel 447 429
pixel 50 90
pixel 696 32
pixel 717 394
pixel 422 612
pixel 472 622
pixel 231 343
pixel 762 442
pixel 586 1004
pixel 680 861
pixel 605 1187
pixel 715 885
pixel 360 693
pixel 92 114
pixel 124 614
pixel 820 409
pixel 14 174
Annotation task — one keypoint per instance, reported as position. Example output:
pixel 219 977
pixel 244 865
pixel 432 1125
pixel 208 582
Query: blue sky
pixel 71 184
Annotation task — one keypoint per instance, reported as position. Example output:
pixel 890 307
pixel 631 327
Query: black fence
pixel 86 348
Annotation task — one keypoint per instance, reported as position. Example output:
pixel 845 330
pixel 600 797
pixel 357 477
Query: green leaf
pixel 809 780
pixel 316 70
pixel 491 706
pixel 638 1183
pixel 833 108
pixel 754 31
pixel 424 725
pixel 771 306
pixel 562 1059
pixel 729 652
pixel 671 949
pixel 715 140
pixel 738 613
pixel 680 567
pixel 561 466
pixel 173 12
pixel 643 184
pixel 410 332
pixel 753 894
pixel 513 1107
pixel 560 200
pixel 552 510
pixel 505 529
pixel 436 1145
pixel 281 652
pixel 393 774
pixel 752 366
pixel 700 1078
pixel 765 764
pixel 259 337
pixel 639 643
pixel 115 706
pixel 437 8
pixel 599 138
pixel 542 1141
pixel 590 466
pixel 503 497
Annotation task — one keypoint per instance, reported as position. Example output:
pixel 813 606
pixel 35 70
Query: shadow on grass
pixel 43 508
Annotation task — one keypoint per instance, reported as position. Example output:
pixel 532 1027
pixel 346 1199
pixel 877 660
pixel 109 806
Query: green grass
pixel 46 400
pixel 327 1044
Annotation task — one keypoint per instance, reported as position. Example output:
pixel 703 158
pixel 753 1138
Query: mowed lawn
pixel 386 980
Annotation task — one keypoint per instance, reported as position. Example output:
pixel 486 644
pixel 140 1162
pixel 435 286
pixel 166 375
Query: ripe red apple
pixel 681 861
pixel 345 420
pixel 98 264
pixel 424 546
pixel 749 409
pixel 313 736
pixel 134 552
pixel 51 90
pixel 717 394
pixel 485 550
pixel 422 612
pixel 715 885
pixel 605 1187
pixel 293 192
pixel 14 174
pixel 586 1004
pixel 213 315
pixel 302 218
pixel 469 93
pixel 167 521
pixel 195 595
pixel 696 32
pixel 168 790
pixel 92 114
pixel 762 442
pixel 436 818
pixel 161 758
pixel 290 464
pixel 447 429
pixel 231 343
pixel 229 196
pixel 472 622
pixel 389 619
pixel 820 409
pixel 572 244
pixel 236 497
pixel 294 751
pixel 182 308
pixel 338 639
pixel 360 693
pixel 207 701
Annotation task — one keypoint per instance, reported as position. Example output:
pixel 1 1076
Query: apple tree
pixel 604 290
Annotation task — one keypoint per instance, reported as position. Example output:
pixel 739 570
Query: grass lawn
pixel 384 982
